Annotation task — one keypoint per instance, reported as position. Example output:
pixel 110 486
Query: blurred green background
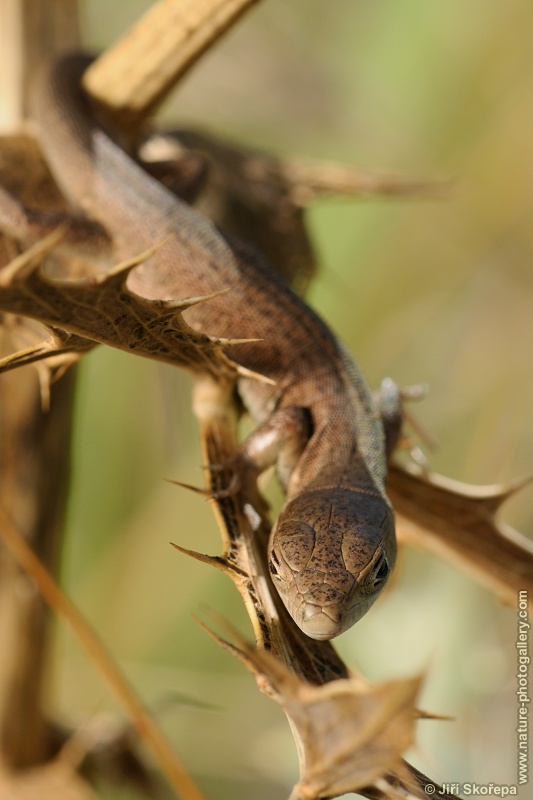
pixel 437 291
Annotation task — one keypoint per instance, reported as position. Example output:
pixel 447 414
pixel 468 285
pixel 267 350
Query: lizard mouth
pixel 320 626
pixel 326 622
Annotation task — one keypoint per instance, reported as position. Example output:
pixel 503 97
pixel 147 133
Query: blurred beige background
pixel 436 291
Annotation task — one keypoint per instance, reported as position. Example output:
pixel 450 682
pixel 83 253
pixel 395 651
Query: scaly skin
pixel 333 545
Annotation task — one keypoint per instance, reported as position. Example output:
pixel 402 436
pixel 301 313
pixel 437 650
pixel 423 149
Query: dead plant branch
pixel 141 719
pixel 135 75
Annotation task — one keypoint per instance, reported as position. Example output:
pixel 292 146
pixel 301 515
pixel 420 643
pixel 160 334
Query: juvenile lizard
pixel 333 545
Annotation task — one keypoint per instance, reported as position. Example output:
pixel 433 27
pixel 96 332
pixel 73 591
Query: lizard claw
pixel 415 393
pixel 391 401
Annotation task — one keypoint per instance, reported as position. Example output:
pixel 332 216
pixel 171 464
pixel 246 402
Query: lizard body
pixel 333 545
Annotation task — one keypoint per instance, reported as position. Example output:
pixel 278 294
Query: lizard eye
pixel 380 573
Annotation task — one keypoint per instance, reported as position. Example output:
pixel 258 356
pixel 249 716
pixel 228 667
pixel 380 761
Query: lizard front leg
pixel 389 403
pixel 279 441
pixel 389 400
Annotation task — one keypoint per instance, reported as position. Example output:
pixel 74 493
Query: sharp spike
pixel 256 376
pixel 218 639
pixel 431 715
pixel 125 267
pixel 220 562
pixel 230 342
pixel 30 355
pixel 231 490
pixel 214 561
pixel 31 259
pixel 502 494
pixel 168 308
pixel 196 489
pixel 188 302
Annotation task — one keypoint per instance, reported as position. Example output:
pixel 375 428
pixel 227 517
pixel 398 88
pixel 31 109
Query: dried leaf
pixel 349 734
pixel 104 310
pixel 351 737
pixel 52 356
pixel 458 522
pixel 139 70
pixel 141 719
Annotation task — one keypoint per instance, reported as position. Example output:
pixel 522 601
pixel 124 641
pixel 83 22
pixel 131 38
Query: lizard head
pixel 331 553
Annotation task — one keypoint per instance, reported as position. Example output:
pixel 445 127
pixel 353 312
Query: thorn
pixel 196 489
pixel 31 260
pixel 220 494
pixel 430 715
pixel 520 484
pixel 29 355
pixel 220 562
pixel 230 342
pixel 256 376
pixel 188 302
pixel 242 649
pixel 125 267
pixel 218 639
pixel 502 494
pixel 168 308
pixel 214 561
pixel 488 497
pixel 258 661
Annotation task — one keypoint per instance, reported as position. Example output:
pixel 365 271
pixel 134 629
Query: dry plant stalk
pixel 141 720
pixel 138 72
pixel 34 439
pixel 31 31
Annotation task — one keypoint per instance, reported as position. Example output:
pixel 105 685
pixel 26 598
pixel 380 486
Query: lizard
pixel 333 545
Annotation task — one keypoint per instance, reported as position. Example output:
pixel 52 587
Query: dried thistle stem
pixel 140 718
pixel 135 75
